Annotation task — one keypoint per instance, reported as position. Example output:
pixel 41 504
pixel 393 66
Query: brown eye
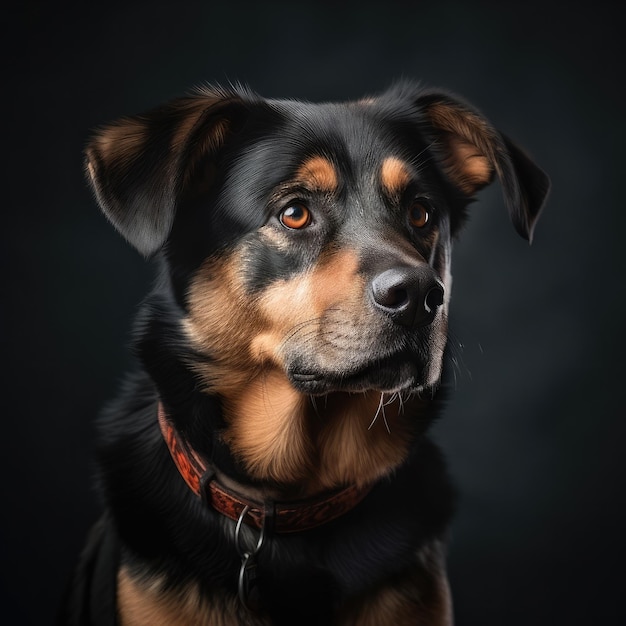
pixel 295 217
pixel 419 214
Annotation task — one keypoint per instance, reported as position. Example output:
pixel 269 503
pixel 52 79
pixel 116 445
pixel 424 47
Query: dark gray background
pixel 535 431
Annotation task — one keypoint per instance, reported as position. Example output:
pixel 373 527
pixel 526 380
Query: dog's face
pixel 338 273
pixel 308 246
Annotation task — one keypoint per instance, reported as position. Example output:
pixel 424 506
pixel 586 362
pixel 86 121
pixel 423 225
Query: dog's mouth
pixel 388 375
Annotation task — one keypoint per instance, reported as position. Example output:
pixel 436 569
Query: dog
pixel 268 461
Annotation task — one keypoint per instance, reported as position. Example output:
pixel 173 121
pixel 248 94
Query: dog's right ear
pixel 139 166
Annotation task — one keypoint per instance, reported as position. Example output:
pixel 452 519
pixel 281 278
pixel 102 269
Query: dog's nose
pixel 409 295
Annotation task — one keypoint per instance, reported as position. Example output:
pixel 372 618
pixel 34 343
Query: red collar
pixel 287 516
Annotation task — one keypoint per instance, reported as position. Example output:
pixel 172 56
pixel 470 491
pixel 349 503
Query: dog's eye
pixel 419 214
pixel 295 217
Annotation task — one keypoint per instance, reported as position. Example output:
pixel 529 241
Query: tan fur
pixel 318 174
pixel 269 430
pixel 151 604
pixel 317 447
pixel 304 304
pixel 465 166
pixel 394 176
pixel 363 437
pixel 221 323
pixel 121 143
pixel 245 336
pixel 468 145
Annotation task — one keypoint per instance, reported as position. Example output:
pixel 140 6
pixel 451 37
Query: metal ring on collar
pixel 238 543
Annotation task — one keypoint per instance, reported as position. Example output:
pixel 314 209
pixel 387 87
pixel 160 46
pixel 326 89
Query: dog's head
pixel 308 245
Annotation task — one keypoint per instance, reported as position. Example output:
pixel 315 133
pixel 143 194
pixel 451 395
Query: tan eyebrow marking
pixel 394 176
pixel 319 174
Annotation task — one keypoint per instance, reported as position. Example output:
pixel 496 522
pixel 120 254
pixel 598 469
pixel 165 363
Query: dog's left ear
pixel 471 151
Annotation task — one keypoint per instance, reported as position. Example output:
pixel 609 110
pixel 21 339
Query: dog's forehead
pixel 328 146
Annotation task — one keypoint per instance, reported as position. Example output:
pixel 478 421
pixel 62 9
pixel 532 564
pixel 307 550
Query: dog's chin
pixel 392 375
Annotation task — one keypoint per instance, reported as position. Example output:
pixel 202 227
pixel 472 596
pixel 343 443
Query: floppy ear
pixel 471 151
pixel 140 165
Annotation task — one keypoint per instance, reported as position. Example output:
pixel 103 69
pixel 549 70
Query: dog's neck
pixel 243 503
pixel 284 437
